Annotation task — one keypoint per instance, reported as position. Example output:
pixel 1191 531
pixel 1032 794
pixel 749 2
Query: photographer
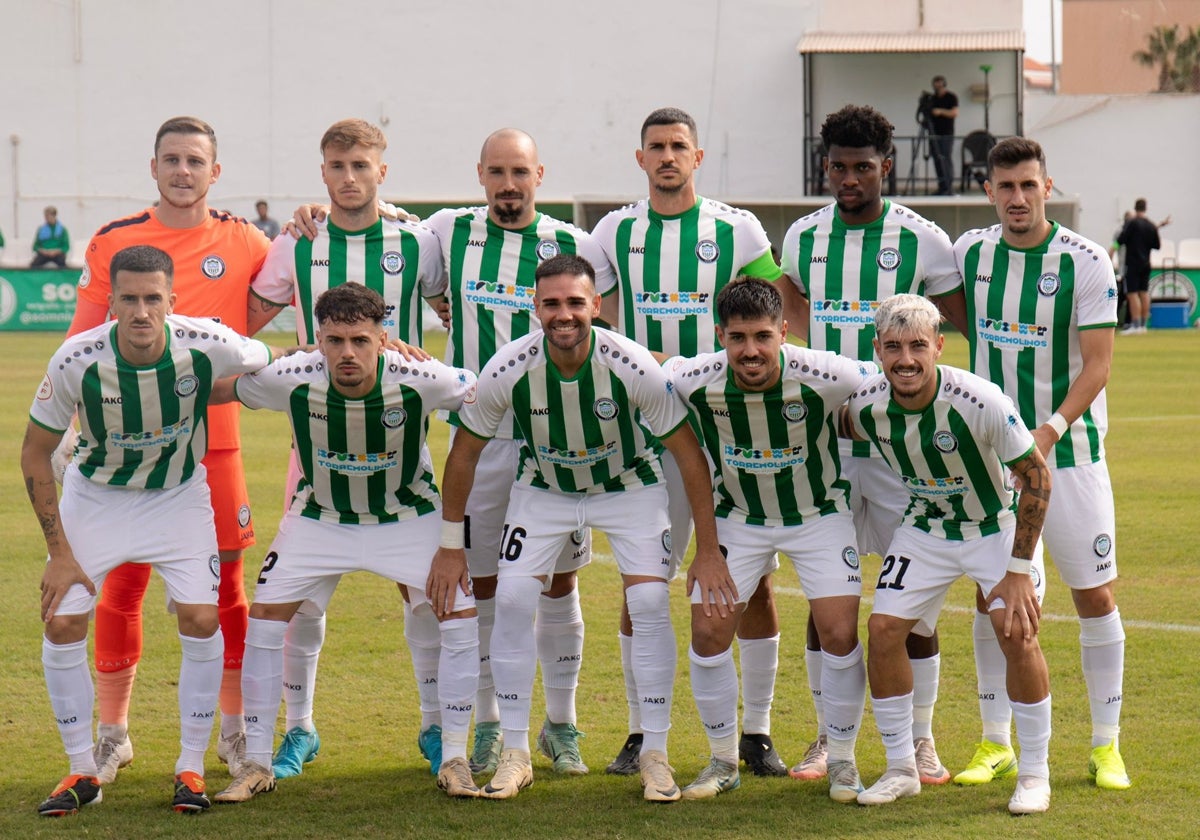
pixel 940 108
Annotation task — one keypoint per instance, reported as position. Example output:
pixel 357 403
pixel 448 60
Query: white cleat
pixel 1032 796
pixel 232 751
pixel 514 773
pixel 658 783
pixel 111 755
pixel 895 783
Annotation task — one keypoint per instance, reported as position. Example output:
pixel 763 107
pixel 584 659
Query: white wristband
pixel 453 535
pixel 1018 566
pixel 1059 424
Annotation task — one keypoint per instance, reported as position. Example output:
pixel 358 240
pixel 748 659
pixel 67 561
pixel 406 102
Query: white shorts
pixel 679 510
pixel 540 523
pixel 170 529
pixel 1080 528
pixel 821 551
pixel 308 558
pixel 487 504
pixel 919 569
pixel 878 500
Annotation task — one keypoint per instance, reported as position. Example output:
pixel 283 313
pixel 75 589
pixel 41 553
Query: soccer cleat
pixel 232 751
pixel 559 742
pixel 454 777
pixel 1032 796
pixel 758 752
pixel 486 754
pixel 190 797
pixel 895 783
pixel 991 761
pixel 658 785
pixel 429 742
pixel 111 755
pixel 514 773
pixel 844 783
pixel 814 764
pixel 298 747
pixel 626 762
pixel 72 793
pixel 1108 768
pixel 717 778
pixel 250 780
pixel 929 766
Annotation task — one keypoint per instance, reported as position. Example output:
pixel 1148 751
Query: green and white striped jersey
pixel 490 272
pixel 951 454
pixel 363 459
pixel 141 426
pixel 1027 307
pixel 671 269
pixel 584 434
pixel 775 451
pixel 400 260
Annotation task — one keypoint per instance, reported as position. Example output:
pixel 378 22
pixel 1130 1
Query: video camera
pixel 924 115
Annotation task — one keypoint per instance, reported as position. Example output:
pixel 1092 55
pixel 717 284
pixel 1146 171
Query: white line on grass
pixel 1155 419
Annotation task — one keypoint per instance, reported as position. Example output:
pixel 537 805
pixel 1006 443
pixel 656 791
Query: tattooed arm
pixel 1016 588
pixel 62 570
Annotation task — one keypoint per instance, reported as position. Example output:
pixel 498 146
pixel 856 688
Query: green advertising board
pixel 37 299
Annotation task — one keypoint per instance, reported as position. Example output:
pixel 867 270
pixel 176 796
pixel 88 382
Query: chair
pixel 973 164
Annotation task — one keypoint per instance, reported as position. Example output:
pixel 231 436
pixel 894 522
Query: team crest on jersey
pixel 579 536
pixel 394 418
pixel 707 251
pixel 185 386
pixel 392 262
pixel 605 409
pixel 945 442
pixel 1036 575
pixel 850 557
pixel 213 267
pixel 244 516
pixel 666 540
pixel 85 277
pixel 1048 284
pixel 794 412
pixel 547 248
pixel 888 259
pixel 45 390
pixel 1102 545
pixel 214 565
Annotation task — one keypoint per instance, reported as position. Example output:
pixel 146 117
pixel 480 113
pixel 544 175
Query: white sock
pixel 715 689
pixel 991 669
pixel 759 659
pixel 893 716
pixel 926 675
pixel 559 634
pixel 73 699
pixel 813 662
pixel 1033 734
pixel 458 674
pixel 1102 650
pixel 654 656
pixel 631 696
pixel 514 661
pixel 424 638
pixel 485 692
pixel 301 650
pixel 199 684
pixel 262 685
pixel 844 692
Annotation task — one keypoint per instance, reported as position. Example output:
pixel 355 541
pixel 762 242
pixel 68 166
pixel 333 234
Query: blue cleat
pixel 430 744
pixel 297 748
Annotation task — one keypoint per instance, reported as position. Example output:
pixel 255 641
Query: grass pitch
pixel 370 781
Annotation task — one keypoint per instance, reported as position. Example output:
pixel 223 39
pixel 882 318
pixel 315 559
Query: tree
pixel 1187 62
pixel 1162 44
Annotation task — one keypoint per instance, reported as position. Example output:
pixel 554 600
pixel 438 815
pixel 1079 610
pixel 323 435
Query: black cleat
pixel 72 793
pixel 628 760
pixel 759 754
pixel 190 797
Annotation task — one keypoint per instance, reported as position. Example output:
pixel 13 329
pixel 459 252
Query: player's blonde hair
pixel 907 314
pixel 346 134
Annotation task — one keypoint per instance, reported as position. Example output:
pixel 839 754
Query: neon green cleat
pixel 1108 768
pixel 991 761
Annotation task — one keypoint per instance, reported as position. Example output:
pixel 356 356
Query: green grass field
pixel 370 780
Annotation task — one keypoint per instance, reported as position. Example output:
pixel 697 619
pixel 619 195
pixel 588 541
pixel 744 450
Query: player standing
pixel 140 387
pixel 216 255
pixel 673 252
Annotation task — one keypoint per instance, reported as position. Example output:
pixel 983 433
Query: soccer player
pixel 366 502
pixel 579 395
pixel 215 256
pixel 767 413
pixel 1041 302
pixel 949 435
pixel 491 254
pixel 402 261
pixel 673 253
pixel 842 260
pixel 135 492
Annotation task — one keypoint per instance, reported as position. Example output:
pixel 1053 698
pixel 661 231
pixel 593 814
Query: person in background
pixel 265 223
pixel 51 243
